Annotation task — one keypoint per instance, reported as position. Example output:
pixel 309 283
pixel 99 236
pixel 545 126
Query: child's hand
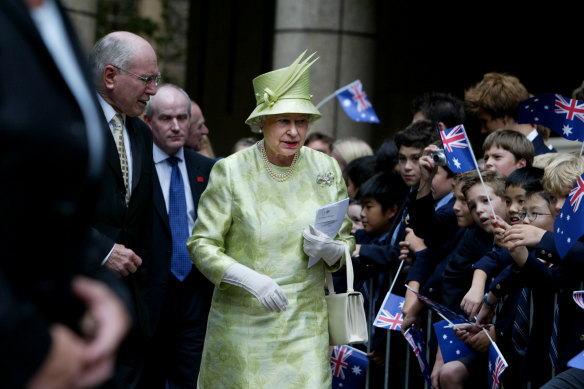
pixel 523 235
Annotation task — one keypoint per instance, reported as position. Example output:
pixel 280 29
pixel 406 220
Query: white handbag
pixel 346 314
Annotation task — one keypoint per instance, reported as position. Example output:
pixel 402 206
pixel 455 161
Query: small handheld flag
pixel 497 365
pixel 562 115
pixel 390 314
pixel 569 224
pixel 457 149
pixel 416 342
pixel 348 366
pixel 446 313
pixel 354 101
pixel 451 347
pixel 578 296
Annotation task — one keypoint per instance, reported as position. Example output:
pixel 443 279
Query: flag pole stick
pixel 480 175
pixel 333 94
pixel 582 149
pixel 396 275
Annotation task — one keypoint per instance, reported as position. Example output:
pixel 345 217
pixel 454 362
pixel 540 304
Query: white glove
pixel 319 245
pixel 265 289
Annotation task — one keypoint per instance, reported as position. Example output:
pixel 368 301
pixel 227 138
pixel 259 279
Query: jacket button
pixel 498 286
pixel 430 290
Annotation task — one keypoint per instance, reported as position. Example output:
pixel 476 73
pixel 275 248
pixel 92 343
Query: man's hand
pixel 111 323
pixel 123 260
pixel 64 362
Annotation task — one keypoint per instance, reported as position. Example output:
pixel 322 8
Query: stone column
pixel 342 32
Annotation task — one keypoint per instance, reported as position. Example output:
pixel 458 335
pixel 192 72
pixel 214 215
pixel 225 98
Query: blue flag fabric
pixel 457 149
pixel 451 347
pixel 562 115
pixel 390 314
pixel 497 365
pixel 569 224
pixel 578 361
pixel 348 366
pixel 418 345
pixel 357 106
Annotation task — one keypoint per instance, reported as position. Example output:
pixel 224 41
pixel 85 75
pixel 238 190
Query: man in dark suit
pixel 181 296
pixel 51 162
pixel 126 74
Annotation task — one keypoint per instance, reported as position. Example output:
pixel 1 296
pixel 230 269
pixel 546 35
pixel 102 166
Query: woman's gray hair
pixel 109 50
pixel 149 111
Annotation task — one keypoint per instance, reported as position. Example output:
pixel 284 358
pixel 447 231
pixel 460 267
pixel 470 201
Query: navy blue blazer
pixel 198 168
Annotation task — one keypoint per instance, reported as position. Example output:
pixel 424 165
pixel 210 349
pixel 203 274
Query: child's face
pixel 460 208
pixel 479 206
pixel 535 204
pixel 375 220
pixel 351 189
pixel 355 216
pixel 514 199
pixel 557 201
pixel 501 160
pixel 408 165
pixel 441 184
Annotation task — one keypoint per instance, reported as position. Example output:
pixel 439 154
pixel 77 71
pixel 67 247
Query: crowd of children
pixel 481 244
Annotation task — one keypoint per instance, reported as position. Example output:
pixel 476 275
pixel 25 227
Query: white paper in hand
pixel 329 219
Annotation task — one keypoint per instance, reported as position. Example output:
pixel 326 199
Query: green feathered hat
pixel 283 91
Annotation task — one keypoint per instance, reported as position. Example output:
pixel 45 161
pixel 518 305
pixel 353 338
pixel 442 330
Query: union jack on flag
pixel 416 341
pixel 578 296
pixel 457 149
pixel 354 101
pixel 390 314
pixel 569 224
pixel 563 115
pixel 348 366
pixel 497 365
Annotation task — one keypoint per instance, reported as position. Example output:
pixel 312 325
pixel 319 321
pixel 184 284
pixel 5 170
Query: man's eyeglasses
pixel 530 215
pixel 147 79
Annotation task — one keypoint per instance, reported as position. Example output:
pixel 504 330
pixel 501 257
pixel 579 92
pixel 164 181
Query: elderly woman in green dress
pixel 267 326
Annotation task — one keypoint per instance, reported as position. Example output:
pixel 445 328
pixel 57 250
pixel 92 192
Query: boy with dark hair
pixel 358 171
pixel 507 150
pixel 444 109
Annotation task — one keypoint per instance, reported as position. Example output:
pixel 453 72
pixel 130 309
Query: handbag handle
pixel 328 278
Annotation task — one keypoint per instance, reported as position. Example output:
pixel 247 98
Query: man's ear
pixel 109 76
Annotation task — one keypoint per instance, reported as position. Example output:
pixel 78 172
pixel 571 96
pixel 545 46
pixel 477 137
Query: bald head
pixel 121 62
pixel 197 128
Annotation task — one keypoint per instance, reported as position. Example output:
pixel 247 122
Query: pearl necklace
pixel 280 177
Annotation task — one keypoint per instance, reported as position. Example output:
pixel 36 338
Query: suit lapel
pixel 137 151
pixel 195 175
pixel 159 204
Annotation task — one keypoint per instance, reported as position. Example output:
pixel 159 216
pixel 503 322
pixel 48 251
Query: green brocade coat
pixel 244 215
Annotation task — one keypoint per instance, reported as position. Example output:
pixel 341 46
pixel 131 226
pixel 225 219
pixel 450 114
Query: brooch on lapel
pixel 199 179
pixel 325 179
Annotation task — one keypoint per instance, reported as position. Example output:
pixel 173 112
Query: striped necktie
pixel 554 338
pixel 520 333
pixel 118 131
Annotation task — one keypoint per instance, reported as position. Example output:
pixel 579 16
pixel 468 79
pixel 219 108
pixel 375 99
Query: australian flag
pixel 563 115
pixel 445 312
pixel 390 314
pixel 451 347
pixel 497 365
pixel 357 106
pixel 569 224
pixel 457 149
pixel 578 296
pixel 416 341
pixel 348 366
